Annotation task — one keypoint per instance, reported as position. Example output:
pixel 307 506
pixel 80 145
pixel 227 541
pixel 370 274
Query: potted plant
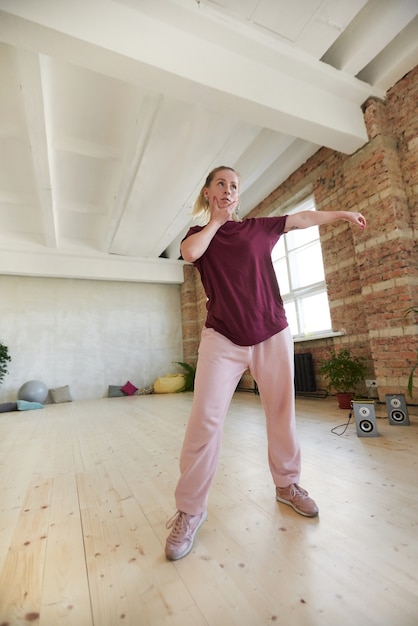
pixel 344 372
pixel 413 310
pixel 189 376
pixel 4 360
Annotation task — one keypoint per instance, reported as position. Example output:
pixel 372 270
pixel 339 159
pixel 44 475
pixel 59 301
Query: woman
pixel 246 328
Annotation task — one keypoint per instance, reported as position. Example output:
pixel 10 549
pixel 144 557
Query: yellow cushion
pixel 171 383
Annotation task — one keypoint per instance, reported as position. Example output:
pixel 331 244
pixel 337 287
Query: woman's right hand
pixel 194 246
pixel 222 214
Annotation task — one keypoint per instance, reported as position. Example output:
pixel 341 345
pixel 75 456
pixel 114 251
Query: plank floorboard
pixel 65 588
pixel 86 489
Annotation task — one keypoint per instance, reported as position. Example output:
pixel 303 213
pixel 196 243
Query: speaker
pixel 365 417
pixel 397 411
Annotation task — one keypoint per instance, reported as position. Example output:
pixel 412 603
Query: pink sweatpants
pixel 221 364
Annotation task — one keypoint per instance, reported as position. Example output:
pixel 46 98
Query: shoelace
pixel 298 491
pixel 177 523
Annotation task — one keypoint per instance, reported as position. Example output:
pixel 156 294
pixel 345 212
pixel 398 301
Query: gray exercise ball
pixel 33 391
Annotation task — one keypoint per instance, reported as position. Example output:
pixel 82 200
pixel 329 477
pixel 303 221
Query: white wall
pixel 88 334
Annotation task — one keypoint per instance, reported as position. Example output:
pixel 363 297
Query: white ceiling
pixel 112 112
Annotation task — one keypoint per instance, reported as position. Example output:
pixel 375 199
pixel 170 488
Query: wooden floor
pixel 87 487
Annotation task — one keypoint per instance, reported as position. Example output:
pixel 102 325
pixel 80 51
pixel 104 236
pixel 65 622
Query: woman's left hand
pixel 356 218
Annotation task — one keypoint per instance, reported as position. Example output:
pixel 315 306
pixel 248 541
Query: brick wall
pixel 372 275
pixel 193 318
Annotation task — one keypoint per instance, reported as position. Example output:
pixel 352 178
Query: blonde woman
pixel 246 328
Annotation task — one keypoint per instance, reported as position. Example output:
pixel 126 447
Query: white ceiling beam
pixel 260 155
pixel 288 162
pixel 327 24
pixel 30 75
pixel 58 264
pixel 301 97
pixel 361 42
pixel 396 60
pixel 147 113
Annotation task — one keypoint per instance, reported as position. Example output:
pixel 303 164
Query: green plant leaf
pixel 4 360
pixel 412 310
pixel 343 371
pixel 411 380
pixel 189 376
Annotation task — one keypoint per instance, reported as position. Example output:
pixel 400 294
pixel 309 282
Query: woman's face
pixel 224 187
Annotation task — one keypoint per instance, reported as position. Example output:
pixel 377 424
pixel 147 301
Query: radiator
pixel 304 373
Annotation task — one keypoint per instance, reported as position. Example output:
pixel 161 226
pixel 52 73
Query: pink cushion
pixel 129 389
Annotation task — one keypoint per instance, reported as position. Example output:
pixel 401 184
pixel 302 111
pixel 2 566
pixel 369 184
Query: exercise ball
pixel 33 391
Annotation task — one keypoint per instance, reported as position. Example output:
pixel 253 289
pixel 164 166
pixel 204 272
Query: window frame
pixel 296 295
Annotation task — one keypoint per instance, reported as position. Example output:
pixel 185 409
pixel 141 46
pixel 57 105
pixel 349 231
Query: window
pixel 297 260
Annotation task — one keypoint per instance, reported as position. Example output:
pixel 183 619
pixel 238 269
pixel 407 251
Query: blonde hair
pixel 201 206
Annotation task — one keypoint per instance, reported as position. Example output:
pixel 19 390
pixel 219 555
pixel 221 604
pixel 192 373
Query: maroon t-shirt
pixel 244 302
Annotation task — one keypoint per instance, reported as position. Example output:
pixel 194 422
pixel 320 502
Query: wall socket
pixel 370 383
